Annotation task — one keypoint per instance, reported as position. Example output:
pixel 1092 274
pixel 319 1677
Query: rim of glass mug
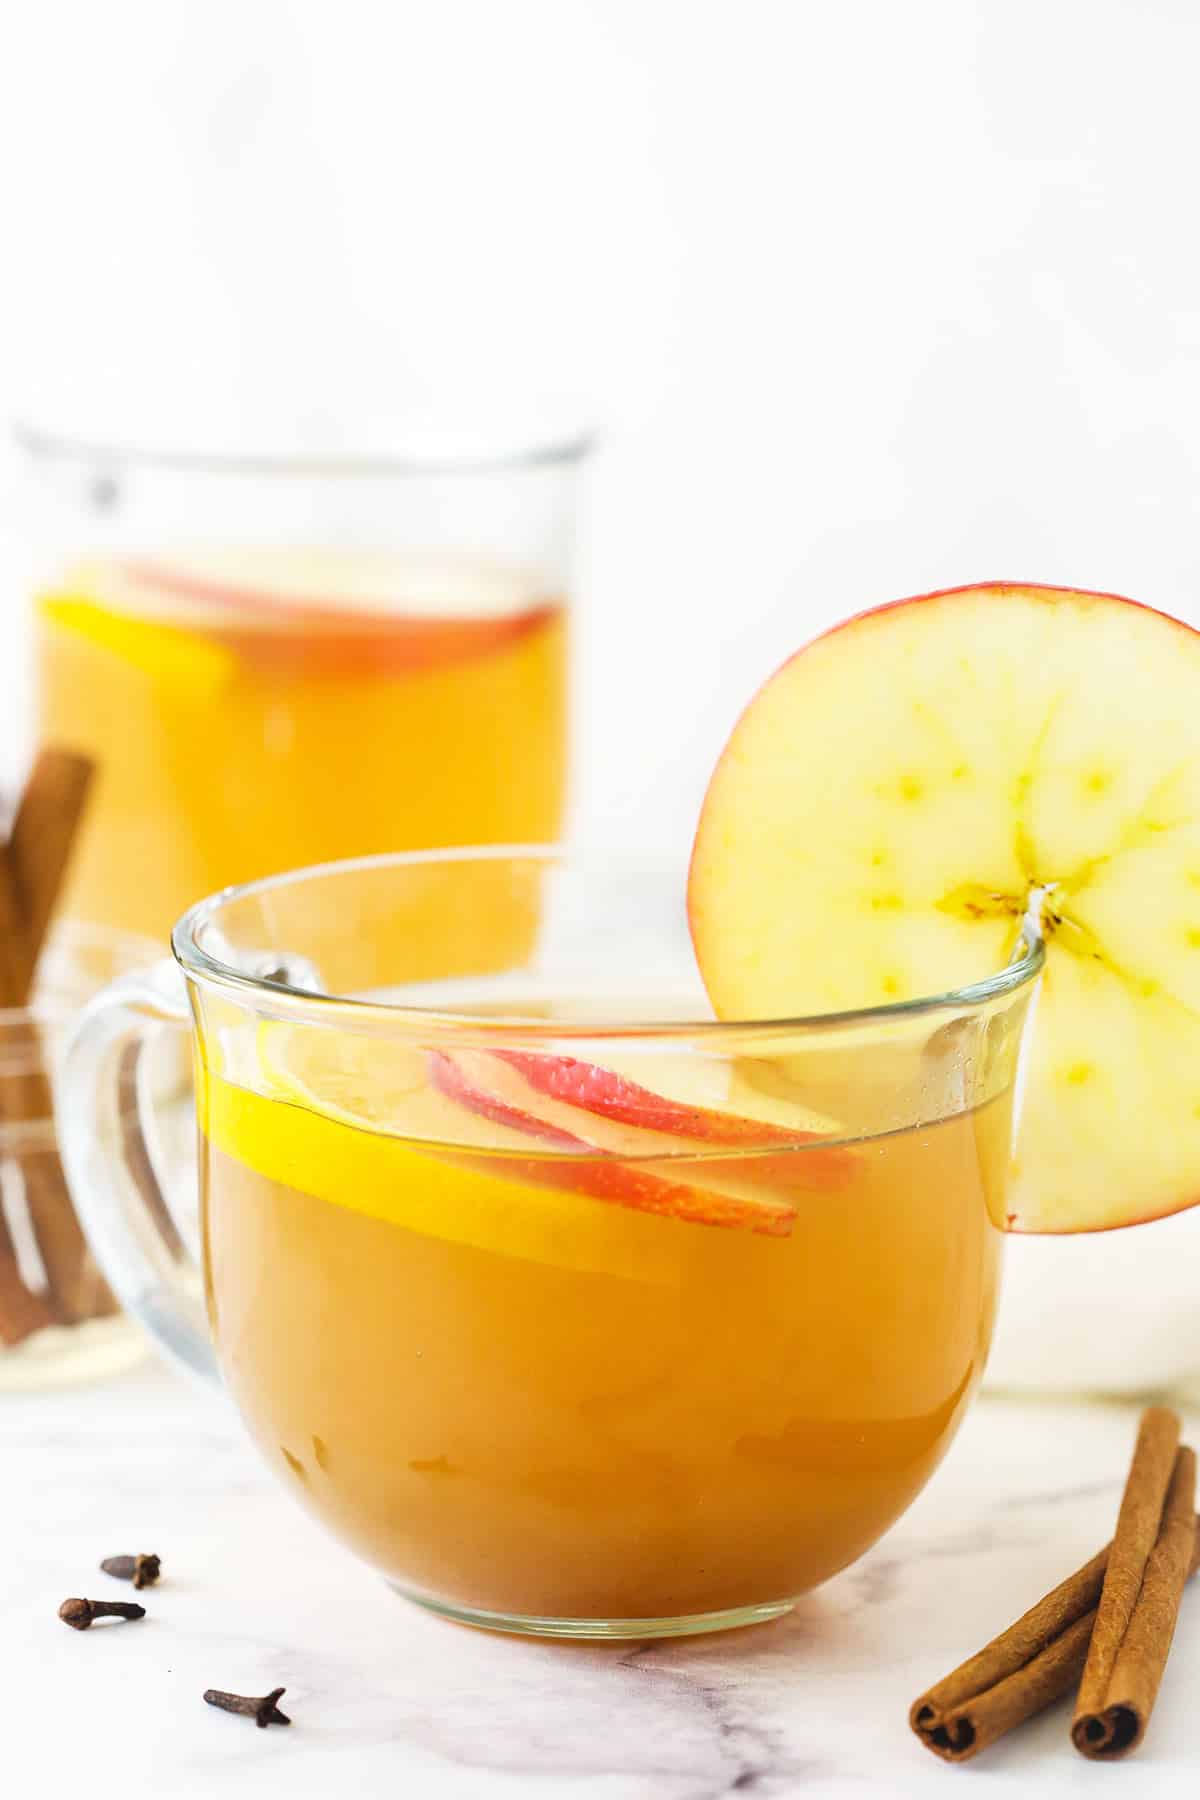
pixel 432 453
pixel 1024 965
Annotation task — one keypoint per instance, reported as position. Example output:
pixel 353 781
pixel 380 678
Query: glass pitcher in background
pixel 276 662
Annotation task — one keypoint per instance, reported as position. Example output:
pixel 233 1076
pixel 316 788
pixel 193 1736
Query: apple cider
pixel 531 1385
pixel 260 711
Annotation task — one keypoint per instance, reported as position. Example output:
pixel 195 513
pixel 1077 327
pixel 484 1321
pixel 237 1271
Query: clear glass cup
pixel 277 660
pixel 59 1322
pixel 570 1309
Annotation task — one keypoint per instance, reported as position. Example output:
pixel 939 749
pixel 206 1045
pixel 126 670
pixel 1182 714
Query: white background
pixel 868 296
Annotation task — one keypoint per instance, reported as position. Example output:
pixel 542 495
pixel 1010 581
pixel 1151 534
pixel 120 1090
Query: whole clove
pixel 264 1711
pixel 80 1614
pixel 142 1570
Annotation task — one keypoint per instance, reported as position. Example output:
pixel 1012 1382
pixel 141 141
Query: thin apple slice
pixel 306 581
pixel 715 1200
pixel 405 1178
pixel 608 1092
pixel 379 1118
pixel 310 612
pixel 349 612
pixel 333 645
pixel 896 792
pixel 598 1162
pixel 488 1088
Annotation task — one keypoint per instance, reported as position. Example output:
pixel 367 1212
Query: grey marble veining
pixel 389 1701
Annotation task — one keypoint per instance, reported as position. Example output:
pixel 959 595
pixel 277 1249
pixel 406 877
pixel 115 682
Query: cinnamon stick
pixel 75 1289
pixel 1020 1673
pixel 32 866
pixel 22 1312
pixel 43 834
pixel 1137 1531
pixel 26 1100
pixel 1117 1723
pixel 1109 1615
pixel 14 945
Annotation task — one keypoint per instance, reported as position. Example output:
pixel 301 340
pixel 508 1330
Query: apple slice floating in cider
pixel 452 1108
pixel 611 1094
pixel 328 611
pixel 893 797
pixel 486 1086
pixel 306 582
pixel 720 1192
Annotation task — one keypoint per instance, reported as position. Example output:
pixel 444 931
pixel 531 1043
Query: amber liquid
pixel 234 739
pixel 599 1414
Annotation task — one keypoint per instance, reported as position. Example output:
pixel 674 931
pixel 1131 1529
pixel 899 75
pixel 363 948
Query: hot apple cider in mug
pixel 671 1378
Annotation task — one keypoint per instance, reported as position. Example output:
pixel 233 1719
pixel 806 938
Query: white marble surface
pixel 388 1701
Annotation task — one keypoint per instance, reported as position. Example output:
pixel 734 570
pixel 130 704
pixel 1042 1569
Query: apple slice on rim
pixel 488 1086
pixel 894 795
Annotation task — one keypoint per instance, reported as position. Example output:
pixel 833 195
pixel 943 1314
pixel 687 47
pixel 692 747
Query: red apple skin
pixel 1013 1226
pixel 609 1095
pixel 613 1096
pixel 337 639
pixel 598 1174
pixel 1051 591
pixel 400 647
pixel 621 1184
pixel 451 1079
pixel 1037 588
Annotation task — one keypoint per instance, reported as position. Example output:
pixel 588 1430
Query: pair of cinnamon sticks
pixel 1105 1631
pixel 33 863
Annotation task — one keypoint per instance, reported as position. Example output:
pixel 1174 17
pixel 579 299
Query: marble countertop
pixel 387 1700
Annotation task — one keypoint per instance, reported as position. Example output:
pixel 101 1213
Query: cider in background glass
pixel 276 662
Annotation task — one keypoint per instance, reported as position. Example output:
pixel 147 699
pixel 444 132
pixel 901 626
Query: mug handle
pixel 107 1129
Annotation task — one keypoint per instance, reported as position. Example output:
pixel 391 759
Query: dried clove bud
pixel 264 1711
pixel 143 1570
pixel 81 1613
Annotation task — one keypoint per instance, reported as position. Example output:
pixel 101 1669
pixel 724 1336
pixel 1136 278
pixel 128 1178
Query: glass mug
pixel 278 661
pixel 571 1310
